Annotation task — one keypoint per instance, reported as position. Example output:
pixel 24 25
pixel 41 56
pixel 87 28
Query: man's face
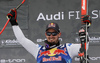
pixel 52 38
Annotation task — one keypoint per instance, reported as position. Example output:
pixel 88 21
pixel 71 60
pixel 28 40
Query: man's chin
pixel 53 43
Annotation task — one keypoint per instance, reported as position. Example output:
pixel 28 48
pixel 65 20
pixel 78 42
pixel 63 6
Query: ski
pixel 83 50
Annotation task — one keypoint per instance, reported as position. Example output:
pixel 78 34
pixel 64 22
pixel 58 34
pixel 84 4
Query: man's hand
pixel 82 35
pixel 12 15
pixel 86 19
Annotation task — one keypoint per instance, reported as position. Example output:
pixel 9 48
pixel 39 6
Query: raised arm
pixel 79 49
pixel 26 43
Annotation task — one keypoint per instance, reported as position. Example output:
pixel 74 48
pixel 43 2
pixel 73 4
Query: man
pixel 53 51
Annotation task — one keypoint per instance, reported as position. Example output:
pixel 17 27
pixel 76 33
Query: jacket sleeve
pixel 30 46
pixel 73 49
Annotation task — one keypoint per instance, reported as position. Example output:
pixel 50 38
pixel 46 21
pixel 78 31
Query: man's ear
pixel 59 34
pixel 45 34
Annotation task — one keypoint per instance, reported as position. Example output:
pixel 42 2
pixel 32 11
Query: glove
pixel 12 16
pixel 82 35
pixel 86 19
